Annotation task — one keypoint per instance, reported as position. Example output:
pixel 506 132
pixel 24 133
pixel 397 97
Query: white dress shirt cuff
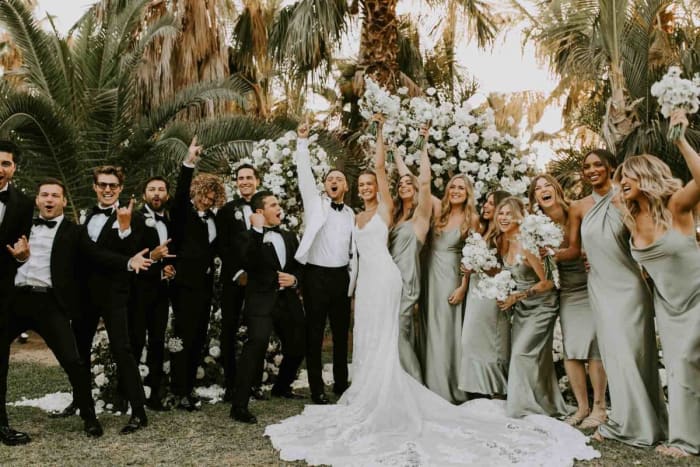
pixel 123 233
pixel 237 275
pixel 189 166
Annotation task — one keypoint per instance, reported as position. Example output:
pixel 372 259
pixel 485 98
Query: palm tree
pixel 77 107
pixel 608 53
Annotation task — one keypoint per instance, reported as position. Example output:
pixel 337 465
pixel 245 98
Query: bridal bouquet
pixel 477 256
pixel 461 139
pixel 498 287
pixel 538 231
pixel 377 100
pixel 674 92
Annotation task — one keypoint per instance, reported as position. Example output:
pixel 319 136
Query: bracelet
pixel 529 292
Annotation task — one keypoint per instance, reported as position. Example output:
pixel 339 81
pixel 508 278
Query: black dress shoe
pixel 12 437
pixel 228 395
pixel 242 414
pixel 258 394
pixel 187 403
pixel 320 399
pixel 135 424
pixel 157 405
pixel 92 428
pixel 69 411
pixel 288 394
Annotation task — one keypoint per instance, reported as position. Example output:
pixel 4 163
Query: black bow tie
pixel 206 215
pixel 271 229
pixel 337 206
pixel 159 217
pixel 4 196
pixel 106 211
pixel 47 223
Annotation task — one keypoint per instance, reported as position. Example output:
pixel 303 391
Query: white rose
pixel 200 372
pixel 238 215
pixel 215 351
pixel 143 369
pixel 150 222
pixel 101 380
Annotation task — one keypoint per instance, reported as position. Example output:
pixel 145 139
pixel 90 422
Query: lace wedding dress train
pixel 387 418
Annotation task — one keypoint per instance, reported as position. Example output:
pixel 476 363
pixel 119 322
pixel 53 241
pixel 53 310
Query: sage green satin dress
pixel 441 323
pixel 532 382
pixel 405 249
pixel 623 312
pixel 673 263
pixel 483 368
pixel 575 314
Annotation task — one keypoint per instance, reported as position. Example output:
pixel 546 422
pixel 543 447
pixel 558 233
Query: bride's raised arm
pixel 386 204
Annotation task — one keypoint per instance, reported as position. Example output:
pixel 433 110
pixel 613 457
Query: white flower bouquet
pixel 477 256
pixel 461 140
pixel 674 92
pixel 498 287
pixel 377 100
pixel 538 231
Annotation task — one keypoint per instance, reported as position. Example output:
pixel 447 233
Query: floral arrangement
pixel 674 92
pixel 538 231
pixel 461 140
pixel 477 256
pixel 275 161
pixel 497 287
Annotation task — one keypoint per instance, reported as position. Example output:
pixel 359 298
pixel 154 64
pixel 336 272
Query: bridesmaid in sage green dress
pixel 575 313
pixel 444 288
pixel 483 368
pixel 532 382
pixel 622 310
pixel 412 210
pixel 659 214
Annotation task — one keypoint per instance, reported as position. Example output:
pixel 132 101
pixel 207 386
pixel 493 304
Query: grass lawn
pixel 208 437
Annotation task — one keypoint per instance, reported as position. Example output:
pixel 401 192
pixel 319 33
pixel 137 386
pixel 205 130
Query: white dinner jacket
pixel 316 209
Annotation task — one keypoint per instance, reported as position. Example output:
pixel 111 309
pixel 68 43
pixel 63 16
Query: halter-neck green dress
pixel 532 382
pixel 623 313
pixel 575 314
pixel 673 263
pixel 405 249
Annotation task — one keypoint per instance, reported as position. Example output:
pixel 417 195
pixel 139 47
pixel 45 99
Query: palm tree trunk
pixel 379 46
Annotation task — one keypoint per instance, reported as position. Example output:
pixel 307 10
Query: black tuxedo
pixel 16 222
pixel 230 224
pixel 266 309
pixel 47 312
pixel 149 302
pixel 107 283
pixel 192 286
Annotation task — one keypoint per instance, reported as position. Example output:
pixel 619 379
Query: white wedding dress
pixel 387 418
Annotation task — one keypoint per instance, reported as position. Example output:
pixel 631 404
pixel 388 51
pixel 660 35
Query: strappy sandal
pixel 591 422
pixel 574 420
pixel 671 451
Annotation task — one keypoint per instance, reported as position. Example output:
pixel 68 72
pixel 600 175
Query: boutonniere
pixel 82 217
pixel 150 221
pixel 238 215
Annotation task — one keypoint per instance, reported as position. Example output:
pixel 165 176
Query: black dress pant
pixel 232 298
pixel 288 323
pixel 191 310
pixel 40 312
pixel 149 316
pixel 112 307
pixel 325 292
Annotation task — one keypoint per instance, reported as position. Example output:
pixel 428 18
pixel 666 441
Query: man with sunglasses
pixel 108 260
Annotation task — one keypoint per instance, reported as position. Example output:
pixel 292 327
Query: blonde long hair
pixel 469 207
pixel 398 202
pixel 561 198
pixel 518 210
pixel 491 231
pixel 657 184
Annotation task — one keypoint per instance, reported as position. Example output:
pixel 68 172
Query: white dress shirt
pixel 36 270
pixel 331 246
pixel 160 226
pixel 98 221
pixel 278 244
pixel 3 208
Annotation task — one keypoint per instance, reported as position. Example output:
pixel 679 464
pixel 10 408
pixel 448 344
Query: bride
pixel 386 417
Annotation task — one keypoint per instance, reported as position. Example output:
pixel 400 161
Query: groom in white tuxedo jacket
pixel 330 268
